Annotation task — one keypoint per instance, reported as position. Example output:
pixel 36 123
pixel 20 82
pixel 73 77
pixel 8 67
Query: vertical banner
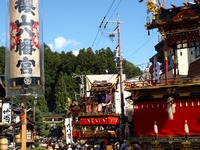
pixel 24 63
pixel 6 113
pixel 68 127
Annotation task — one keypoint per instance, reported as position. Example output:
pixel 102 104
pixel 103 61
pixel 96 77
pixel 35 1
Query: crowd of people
pixel 78 145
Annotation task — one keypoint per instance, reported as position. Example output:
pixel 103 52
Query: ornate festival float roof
pixel 167 96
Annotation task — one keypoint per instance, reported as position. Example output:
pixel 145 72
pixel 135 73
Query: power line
pixel 142 45
pixel 115 9
pixel 142 65
pixel 105 27
pixel 100 26
pixel 110 8
pixel 95 37
pixel 102 22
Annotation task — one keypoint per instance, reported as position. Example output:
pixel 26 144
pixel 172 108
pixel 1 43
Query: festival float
pixel 98 120
pixel 167 101
pixel 94 117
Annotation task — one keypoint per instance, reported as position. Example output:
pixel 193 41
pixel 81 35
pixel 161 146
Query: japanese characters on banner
pixel 24 66
pixel 68 128
pixel 6 113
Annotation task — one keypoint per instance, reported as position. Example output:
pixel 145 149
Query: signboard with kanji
pixel 6 113
pixel 68 130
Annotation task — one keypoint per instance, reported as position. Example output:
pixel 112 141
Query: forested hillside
pixel 59 69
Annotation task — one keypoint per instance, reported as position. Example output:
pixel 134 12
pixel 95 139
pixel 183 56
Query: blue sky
pixel 71 25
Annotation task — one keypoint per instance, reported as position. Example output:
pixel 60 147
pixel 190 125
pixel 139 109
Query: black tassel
pixel 148 32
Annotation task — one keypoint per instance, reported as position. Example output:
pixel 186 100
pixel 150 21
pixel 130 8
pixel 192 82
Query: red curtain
pixel 146 113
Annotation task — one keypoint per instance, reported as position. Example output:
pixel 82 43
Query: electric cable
pixel 103 22
pixel 115 9
pixel 141 45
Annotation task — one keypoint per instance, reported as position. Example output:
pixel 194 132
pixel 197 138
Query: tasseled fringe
pixel 186 104
pixel 192 103
pixel 186 128
pixel 155 128
pixel 180 104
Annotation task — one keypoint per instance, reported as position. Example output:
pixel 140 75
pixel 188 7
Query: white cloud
pixel 51 46
pixel 75 52
pixel 60 43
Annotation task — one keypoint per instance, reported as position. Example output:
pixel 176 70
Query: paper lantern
pixel 24 50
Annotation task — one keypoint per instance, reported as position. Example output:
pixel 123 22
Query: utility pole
pixel 119 61
pixel 121 81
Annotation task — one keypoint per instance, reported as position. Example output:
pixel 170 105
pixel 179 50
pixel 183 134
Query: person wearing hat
pixel 170 108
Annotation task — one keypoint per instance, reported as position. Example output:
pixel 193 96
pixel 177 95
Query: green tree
pixel 61 93
pixel 110 61
pixel 130 70
pixel 2 60
pixel 68 62
pixel 85 60
pixel 52 63
pixel 101 63
pixel 41 127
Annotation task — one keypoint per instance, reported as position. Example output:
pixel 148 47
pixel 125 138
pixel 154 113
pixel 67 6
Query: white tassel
pixel 192 103
pixel 198 103
pixel 152 106
pixel 186 128
pixel 147 106
pixel 163 105
pixel 186 104
pixel 180 104
pixel 155 128
pixel 142 106
pixel 158 105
